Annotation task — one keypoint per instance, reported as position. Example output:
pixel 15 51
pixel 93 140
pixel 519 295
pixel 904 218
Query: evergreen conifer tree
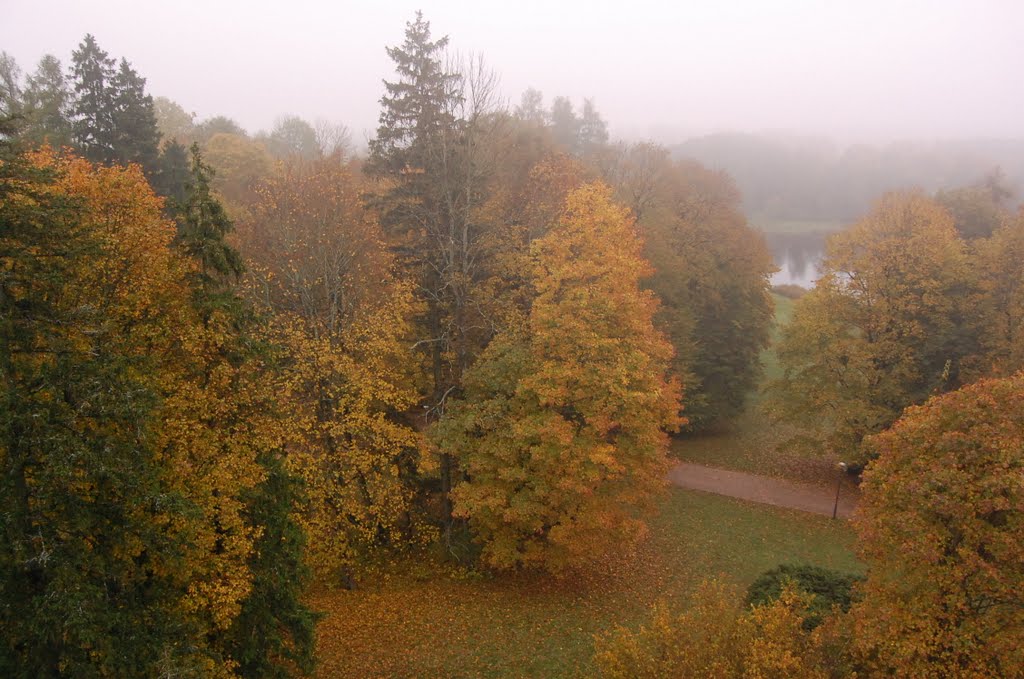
pixel 93 128
pixel 87 560
pixel 47 104
pixel 172 175
pixel 137 138
pixel 202 226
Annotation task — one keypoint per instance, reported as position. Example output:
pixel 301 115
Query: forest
pixel 273 405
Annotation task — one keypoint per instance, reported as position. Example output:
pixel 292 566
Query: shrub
pixel 829 589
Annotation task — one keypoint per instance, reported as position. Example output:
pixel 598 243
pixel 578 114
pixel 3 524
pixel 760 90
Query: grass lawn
pixel 440 625
pixel 783 314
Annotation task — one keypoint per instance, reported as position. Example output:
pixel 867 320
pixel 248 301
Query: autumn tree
pixel 941 527
pixel 173 121
pixel 711 272
pixel 977 210
pixel 999 261
pixel 269 630
pixel 138 437
pixel 561 431
pixel 291 136
pixel 321 271
pixel 532 183
pixel 239 164
pixel 888 324
pixel 97 533
pixel 206 129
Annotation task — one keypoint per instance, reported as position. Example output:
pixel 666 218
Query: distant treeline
pixel 787 179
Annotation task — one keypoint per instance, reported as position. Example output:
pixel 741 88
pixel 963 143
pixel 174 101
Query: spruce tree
pixel 434 149
pixel 202 226
pixel 93 116
pixel 275 630
pixel 47 104
pixel 172 175
pixel 137 138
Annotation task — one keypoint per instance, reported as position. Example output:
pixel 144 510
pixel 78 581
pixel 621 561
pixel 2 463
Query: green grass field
pixel 783 314
pixel 440 625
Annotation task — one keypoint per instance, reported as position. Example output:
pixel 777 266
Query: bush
pixel 830 588
pixel 715 638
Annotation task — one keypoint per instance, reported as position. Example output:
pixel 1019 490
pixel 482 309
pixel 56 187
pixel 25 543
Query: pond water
pixel 797 255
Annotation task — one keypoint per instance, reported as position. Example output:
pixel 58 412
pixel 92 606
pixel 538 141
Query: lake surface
pixel 798 256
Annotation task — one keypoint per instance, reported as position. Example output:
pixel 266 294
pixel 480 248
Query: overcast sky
pixel 847 69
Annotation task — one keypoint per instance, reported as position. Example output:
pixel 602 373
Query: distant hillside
pixel 799 185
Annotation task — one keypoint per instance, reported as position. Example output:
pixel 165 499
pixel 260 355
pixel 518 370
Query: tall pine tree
pixel 47 104
pixel 92 71
pixel 423 148
pixel 137 138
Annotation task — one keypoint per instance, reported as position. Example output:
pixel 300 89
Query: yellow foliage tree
pixel 561 431
pixel 340 319
pixel 210 418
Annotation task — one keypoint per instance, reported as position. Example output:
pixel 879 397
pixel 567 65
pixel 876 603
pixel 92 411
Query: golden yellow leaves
pixel 561 431
pixel 715 638
pixel 339 319
pixel 940 528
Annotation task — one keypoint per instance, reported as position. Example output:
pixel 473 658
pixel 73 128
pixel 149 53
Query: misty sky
pixel 848 69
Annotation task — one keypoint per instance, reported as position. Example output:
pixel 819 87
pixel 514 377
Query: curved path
pixel 764 489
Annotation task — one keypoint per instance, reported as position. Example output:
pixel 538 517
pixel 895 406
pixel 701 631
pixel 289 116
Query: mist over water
pixel 797 256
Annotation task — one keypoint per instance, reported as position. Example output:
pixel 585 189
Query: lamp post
pixel 839 484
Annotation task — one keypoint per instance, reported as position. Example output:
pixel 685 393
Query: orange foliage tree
pixel 561 431
pixel 320 270
pixel 941 527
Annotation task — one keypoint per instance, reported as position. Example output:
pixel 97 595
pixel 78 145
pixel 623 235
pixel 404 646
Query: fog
pixel 873 70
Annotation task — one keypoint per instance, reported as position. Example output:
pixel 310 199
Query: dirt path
pixel 764 489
